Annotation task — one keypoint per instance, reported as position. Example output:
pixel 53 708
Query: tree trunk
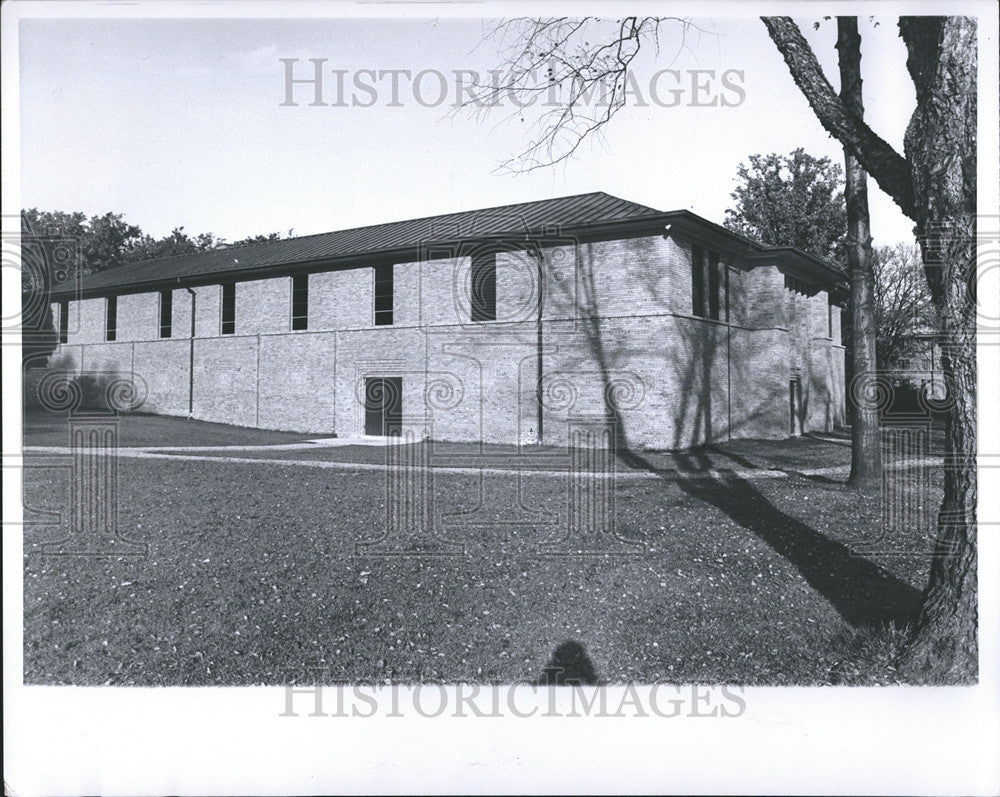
pixel 939 194
pixel 865 390
pixel 941 146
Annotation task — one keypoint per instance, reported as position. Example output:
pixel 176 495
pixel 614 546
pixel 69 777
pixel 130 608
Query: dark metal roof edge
pixel 650 221
pixel 793 254
pixel 757 249
pixel 718 229
pixel 399 255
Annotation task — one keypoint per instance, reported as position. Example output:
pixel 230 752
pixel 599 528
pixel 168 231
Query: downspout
pixel 539 369
pixel 729 362
pixel 194 304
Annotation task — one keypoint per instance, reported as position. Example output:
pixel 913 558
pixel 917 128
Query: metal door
pixel 383 405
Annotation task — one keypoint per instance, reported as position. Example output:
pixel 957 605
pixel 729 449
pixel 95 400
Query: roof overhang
pixel 794 261
pixel 709 234
pixel 749 253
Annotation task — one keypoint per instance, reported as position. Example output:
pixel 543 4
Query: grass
pixel 141 429
pixel 870 656
pixel 252 577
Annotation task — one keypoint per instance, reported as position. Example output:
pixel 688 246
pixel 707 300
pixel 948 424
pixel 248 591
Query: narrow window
pixel 829 316
pixel 229 308
pixel 111 318
pixel 63 321
pixel 727 293
pixel 383 295
pixel 697 281
pixel 713 286
pixel 484 286
pixel 166 313
pixel 300 301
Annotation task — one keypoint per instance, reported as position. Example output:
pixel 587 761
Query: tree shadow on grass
pixel 863 593
pixel 743 462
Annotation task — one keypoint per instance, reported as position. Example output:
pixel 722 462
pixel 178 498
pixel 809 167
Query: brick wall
pixel 444 292
pixel 766 301
pixel 406 294
pixel 342 299
pixel 297 382
pixel 139 316
pixel 208 311
pixel 382 351
pixel 87 317
pixel 181 316
pixel 225 379
pixel 162 366
pixel 759 377
pixel 264 306
pixel 617 321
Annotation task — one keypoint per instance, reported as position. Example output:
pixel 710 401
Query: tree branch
pixel 889 169
pixel 580 71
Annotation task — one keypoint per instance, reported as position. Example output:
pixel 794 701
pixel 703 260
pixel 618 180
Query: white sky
pixel 179 123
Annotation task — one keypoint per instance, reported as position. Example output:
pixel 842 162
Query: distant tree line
pixel 56 246
pixel 108 241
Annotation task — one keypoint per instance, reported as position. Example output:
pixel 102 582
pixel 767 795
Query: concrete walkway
pixel 559 469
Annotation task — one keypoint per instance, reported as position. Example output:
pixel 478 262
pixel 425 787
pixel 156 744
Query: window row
pixel 483 302
pixel 709 285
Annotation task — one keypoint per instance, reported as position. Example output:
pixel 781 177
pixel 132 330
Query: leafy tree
pixel 102 242
pixel 44 223
pixel 262 239
pixel 177 242
pixel 791 200
pixel 107 241
pixel 798 200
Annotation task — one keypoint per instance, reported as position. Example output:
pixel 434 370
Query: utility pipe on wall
pixel 194 301
pixel 539 342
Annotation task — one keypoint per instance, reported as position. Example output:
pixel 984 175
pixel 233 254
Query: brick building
pixel 502 325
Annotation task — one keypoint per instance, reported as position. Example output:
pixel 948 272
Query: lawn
pixel 43 428
pixel 252 574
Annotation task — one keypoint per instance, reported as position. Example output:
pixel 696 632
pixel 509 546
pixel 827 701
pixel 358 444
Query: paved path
pixel 201 454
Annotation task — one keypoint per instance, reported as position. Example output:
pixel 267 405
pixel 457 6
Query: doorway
pixel 383 406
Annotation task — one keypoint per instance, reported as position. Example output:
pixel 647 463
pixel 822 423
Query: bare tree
pixel 903 308
pixel 577 72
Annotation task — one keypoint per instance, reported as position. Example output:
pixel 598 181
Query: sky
pixel 180 122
